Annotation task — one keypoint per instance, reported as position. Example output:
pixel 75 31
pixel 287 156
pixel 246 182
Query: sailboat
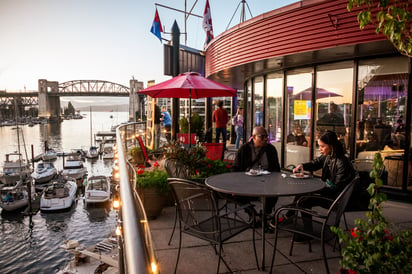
pixel 17 191
pixel 93 151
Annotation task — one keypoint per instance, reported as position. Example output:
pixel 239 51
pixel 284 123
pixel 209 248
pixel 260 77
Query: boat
pixel 93 152
pixel 49 155
pixel 59 195
pixel 44 172
pixel 15 168
pixel 15 197
pixel 97 190
pixel 74 168
pixel 108 151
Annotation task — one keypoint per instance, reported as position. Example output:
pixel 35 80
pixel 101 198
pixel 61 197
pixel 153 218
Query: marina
pixel 31 243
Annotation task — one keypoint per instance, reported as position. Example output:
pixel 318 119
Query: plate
pixel 265 172
pixel 253 174
pixel 296 177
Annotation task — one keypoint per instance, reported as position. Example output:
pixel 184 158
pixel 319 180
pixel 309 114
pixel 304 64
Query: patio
pixel 199 257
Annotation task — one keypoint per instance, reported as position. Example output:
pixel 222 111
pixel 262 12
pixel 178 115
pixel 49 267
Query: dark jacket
pixel 338 170
pixel 243 159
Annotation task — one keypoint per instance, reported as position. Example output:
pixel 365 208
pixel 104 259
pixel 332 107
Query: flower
pixel 207 168
pixel 375 246
pixel 155 177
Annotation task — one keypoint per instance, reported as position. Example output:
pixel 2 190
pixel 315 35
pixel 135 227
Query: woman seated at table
pixel 257 154
pixel 337 172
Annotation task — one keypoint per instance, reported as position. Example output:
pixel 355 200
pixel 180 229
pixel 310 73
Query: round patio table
pixel 270 185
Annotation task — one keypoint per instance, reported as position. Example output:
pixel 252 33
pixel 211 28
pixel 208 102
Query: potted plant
pixel 153 189
pixel 190 158
pixel 207 168
pixel 374 245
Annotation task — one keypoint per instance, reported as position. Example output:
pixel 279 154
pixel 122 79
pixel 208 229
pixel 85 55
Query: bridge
pixel 48 95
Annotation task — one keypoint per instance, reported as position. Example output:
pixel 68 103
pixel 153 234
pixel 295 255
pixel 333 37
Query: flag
pixel 207 23
pixel 156 28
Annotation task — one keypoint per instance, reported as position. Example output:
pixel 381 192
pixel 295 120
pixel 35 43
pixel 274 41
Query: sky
pixel 64 40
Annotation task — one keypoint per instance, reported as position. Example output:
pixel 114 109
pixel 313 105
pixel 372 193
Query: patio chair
pixel 321 222
pixel 359 201
pixel 200 216
pixel 214 150
pixel 175 170
pixel 147 155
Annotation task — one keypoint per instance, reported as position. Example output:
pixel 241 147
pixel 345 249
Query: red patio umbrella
pixel 189 85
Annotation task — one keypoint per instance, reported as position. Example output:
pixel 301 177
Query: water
pixel 31 244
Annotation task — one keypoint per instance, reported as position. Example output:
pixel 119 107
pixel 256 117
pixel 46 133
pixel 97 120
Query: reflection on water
pixel 32 244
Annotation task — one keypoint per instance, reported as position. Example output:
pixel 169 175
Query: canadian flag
pixel 207 23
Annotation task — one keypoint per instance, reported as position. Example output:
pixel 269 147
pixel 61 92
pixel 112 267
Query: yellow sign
pixel 302 109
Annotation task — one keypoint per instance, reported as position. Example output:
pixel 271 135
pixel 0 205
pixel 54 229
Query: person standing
pixel 220 117
pixel 237 122
pixel 167 123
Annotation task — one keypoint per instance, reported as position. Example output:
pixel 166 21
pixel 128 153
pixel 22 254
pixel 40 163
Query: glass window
pixel 248 120
pixel 334 93
pixel 258 102
pixel 382 90
pixel 299 111
pixel 274 110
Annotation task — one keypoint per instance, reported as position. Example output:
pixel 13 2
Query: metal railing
pixel 136 254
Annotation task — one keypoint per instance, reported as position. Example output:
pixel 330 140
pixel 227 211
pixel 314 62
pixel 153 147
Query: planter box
pixel 153 201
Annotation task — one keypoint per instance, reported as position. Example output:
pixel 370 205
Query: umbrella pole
pixel 190 117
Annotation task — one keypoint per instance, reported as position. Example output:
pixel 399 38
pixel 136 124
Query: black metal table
pixel 271 185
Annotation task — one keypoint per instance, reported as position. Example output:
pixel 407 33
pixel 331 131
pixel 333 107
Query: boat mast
pixel 91 132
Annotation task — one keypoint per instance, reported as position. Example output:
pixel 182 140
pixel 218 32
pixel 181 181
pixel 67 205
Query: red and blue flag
pixel 156 28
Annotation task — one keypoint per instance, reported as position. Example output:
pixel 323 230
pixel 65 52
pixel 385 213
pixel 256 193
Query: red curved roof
pixel 304 26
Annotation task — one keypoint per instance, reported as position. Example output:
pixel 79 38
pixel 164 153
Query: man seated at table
pixel 257 154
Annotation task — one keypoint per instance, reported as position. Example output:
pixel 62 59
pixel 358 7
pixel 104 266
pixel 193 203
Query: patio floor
pixel 199 257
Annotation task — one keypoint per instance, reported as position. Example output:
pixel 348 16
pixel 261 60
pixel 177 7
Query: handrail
pixel 136 251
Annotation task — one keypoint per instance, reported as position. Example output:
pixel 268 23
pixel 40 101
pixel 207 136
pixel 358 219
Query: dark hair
pixel 220 104
pixel 330 138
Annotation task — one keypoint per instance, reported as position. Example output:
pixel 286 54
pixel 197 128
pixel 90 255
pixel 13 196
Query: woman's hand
pixel 298 169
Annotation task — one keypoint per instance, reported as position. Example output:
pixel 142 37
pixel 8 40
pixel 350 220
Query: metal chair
pixel 201 216
pixel 175 170
pixel 360 198
pixel 321 223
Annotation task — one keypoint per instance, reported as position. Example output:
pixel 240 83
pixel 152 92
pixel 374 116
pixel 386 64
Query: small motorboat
pixel 93 152
pixel 44 172
pixel 74 168
pixel 97 190
pixel 59 195
pixel 108 151
pixel 15 197
pixel 49 155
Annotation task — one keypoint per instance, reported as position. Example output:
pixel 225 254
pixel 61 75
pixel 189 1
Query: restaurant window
pixel 382 90
pixel 334 94
pixel 299 115
pixel 247 118
pixel 258 102
pixel 274 110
